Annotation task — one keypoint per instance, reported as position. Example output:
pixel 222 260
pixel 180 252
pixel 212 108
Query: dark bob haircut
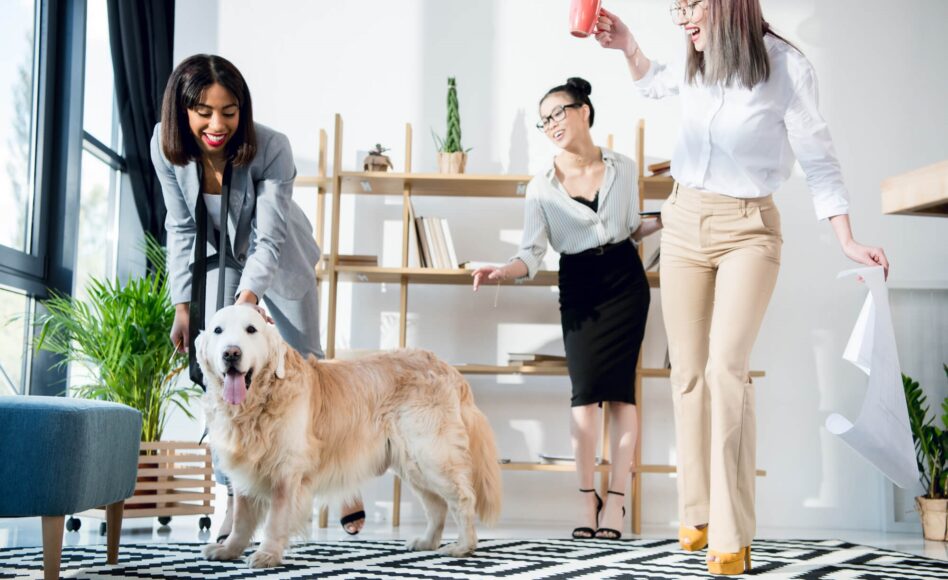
pixel 185 90
pixel 579 90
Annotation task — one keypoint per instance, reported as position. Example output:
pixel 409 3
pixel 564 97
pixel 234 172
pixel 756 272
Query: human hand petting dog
pixel 248 298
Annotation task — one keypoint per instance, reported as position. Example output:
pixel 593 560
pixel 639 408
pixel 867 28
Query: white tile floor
pixel 27 532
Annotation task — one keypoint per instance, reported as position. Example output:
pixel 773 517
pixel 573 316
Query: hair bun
pixel 581 85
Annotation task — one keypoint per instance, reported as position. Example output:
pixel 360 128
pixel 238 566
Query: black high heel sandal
pixel 585 532
pixel 609 533
pixel 351 518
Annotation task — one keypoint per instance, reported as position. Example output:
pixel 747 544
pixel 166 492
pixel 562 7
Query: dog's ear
pixel 278 351
pixel 200 349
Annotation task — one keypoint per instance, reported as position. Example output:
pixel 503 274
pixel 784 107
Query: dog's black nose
pixel 232 354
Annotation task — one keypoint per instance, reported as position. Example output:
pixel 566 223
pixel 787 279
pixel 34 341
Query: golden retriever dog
pixel 288 428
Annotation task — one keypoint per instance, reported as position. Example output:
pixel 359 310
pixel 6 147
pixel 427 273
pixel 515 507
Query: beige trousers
pixel 719 261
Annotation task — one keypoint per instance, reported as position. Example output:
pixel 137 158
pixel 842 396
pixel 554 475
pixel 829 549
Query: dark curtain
pixel 142 38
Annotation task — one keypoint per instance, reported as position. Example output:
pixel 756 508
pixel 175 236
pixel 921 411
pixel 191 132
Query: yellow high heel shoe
pixel 692 539
pixel 730 563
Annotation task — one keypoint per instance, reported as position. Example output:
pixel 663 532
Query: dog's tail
pixel 486 472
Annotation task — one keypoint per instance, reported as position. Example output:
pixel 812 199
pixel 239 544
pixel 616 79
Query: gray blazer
pixel 270 236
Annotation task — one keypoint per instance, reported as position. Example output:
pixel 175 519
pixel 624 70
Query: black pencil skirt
pixel 604 299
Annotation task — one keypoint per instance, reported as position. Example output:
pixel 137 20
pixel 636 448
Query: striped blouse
pixel 552 217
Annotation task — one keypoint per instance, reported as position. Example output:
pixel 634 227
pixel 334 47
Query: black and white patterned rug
pixel 507 558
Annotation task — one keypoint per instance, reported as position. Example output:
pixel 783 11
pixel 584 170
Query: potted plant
pixel 931 447
pixel 451 156
pixel 119 335
pixel 376 161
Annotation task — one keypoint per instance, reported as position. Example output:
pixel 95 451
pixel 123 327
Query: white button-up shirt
pixel 553 218
pixel 742 142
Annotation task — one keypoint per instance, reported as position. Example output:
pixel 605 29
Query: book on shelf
pixel 435 243
pixel 434 246
pixel 560 459
pixel 444 259
pixel 449 242
pixel 356 260
pixel 538 363
pixel 660 167
pixel 416 258
pixel 533 357
pixel 423 245
pixel 472 265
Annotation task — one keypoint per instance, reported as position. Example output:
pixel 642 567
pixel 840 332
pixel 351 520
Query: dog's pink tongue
pixel 235 388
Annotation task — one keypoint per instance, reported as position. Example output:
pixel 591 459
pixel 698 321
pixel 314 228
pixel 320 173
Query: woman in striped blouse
pixel 585 205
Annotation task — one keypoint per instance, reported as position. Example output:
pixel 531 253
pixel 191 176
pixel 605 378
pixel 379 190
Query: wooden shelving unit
pixel 407 185
pixel 380 275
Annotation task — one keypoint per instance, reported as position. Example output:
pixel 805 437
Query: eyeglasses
pixel 681 14
pixel 558 114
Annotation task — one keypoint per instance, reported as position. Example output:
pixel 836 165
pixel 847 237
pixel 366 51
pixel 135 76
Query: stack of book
pixel 435 243
pixel 561 459
pixel 660 168
pixel 357 260
pixel 532 359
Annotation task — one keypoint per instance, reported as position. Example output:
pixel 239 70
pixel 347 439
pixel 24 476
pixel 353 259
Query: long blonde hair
pixel 735 51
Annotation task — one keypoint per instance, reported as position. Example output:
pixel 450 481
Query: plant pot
pixel 174 479
pixel 934 514
pixel 376 163
pixel 452 162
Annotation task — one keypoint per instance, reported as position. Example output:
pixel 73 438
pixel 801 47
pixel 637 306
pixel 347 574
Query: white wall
pixel 382 64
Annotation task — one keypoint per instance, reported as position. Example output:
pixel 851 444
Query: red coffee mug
pixel 583 15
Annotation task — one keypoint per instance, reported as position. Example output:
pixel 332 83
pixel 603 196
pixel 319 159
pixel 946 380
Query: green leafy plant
pixel 931 441
pixel 452 140
pixel 120 335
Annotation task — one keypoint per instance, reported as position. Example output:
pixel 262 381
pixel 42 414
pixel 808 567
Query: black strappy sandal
pixel 585 532
pixel 353 517
pixel 609 533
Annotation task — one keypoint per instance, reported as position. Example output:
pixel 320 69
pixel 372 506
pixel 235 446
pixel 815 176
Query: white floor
pixel 27 532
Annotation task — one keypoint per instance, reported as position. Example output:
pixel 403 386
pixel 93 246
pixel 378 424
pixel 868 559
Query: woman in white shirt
pixel 585 205
pixel 749 107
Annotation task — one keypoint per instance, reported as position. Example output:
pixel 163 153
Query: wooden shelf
pixel 407 185
pixel 441 184
pixel 540 371
pixel 920 192
pixel 464 185
pixel 656 186
pixel 603 467
pixel 380 274
pixel 313 181
pixel 554 371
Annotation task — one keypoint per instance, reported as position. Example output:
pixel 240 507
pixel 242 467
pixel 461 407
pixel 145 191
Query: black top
pixel 591 204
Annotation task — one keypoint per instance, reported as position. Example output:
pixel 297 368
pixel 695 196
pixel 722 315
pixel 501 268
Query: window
pixel 16 313
pixel 18 100
pixel 101 167
pixel 102 162
pixel 61 172
pixel 17 111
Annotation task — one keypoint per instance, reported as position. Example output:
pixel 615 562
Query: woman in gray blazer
pixel 207 139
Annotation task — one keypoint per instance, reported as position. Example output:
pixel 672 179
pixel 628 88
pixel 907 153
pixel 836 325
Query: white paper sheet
pixel 881 434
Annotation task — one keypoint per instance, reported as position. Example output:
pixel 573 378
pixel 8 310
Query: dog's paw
pixel 218 552
pixel 422 544
pixel 262 559
pixel 457 550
